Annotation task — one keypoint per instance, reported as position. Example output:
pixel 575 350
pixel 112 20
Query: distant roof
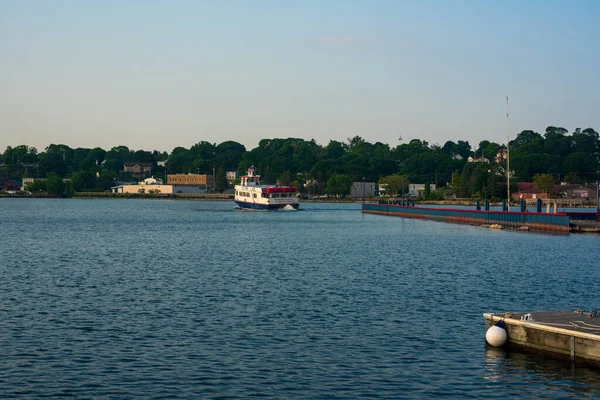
pixel 555 188
pixel 524 185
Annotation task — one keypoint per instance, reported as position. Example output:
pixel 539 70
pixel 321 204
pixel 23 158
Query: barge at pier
pixel 560 222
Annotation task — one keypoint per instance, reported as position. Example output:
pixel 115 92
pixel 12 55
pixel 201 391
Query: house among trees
pixel 417 189
pixel 500 155
pixel 138 169
pixel 231 176
pixel 481 159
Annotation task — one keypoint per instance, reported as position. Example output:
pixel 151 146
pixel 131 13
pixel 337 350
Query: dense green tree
pixel 526 137
pixel 38 185
pixel 580 167
pixel 339 185
pixel 556 141
pixel 543 182
pixel 410 149
pixel 143 156
pixel 395 185
pixel 229 154
pixel 97 154
pixel 77 160
pixel 20 155
pixel 285 178
pixel 355 166
pixel 333 151
pixel 203 154
pixel 586 141
pixel 474 180
pixel 463 148
pixel 456 182
pixel 121 153
pixel 55 184
pixel 304 155
pixel 448 147
pixel 106 179
pixel 180 161
pixel 220 180
pixel 490 149
pixel 113 165
pixel 427 191
pixel 52 162
pixel 83 181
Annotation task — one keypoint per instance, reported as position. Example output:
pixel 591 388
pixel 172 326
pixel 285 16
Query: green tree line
pixel 571 157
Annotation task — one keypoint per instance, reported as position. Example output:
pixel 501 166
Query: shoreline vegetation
pixel 557 163
pixel 229 197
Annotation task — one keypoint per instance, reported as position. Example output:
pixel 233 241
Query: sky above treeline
pixel 155 75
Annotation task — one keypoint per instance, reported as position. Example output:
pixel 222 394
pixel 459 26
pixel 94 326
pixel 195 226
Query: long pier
pixel 559 222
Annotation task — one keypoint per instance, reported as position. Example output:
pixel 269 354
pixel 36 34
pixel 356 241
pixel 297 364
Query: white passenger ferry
pixel 250 194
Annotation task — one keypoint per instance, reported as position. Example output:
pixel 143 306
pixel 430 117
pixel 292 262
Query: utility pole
pixel 403 183
pixel 507 157
pixel 598 194
pixel 363 188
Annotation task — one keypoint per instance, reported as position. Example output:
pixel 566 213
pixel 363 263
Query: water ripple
pixel 161 299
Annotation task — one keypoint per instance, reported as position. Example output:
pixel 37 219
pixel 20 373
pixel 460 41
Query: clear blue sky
pixel 159 74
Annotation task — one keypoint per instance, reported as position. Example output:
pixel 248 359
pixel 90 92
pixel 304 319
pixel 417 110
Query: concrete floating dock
pixel 573 335
pixel 585 226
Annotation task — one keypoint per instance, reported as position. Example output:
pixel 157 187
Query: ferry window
pixel 254 195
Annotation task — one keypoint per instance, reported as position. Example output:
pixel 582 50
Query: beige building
pixel 160 189
pixel 143 189
pixel 231 177
pixel 190 179
pixel 176 183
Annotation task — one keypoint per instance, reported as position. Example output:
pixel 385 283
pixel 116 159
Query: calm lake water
pixel 164 299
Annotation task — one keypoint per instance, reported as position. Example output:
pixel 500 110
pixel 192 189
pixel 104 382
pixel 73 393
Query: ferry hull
pixel 263 207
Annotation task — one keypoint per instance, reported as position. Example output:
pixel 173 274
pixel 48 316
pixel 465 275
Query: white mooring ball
pixel 496 335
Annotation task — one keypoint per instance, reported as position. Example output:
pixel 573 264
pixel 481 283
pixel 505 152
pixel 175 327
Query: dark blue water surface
pixel 163 299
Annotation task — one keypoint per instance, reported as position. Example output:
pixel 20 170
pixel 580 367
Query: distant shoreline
pixel 229 197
